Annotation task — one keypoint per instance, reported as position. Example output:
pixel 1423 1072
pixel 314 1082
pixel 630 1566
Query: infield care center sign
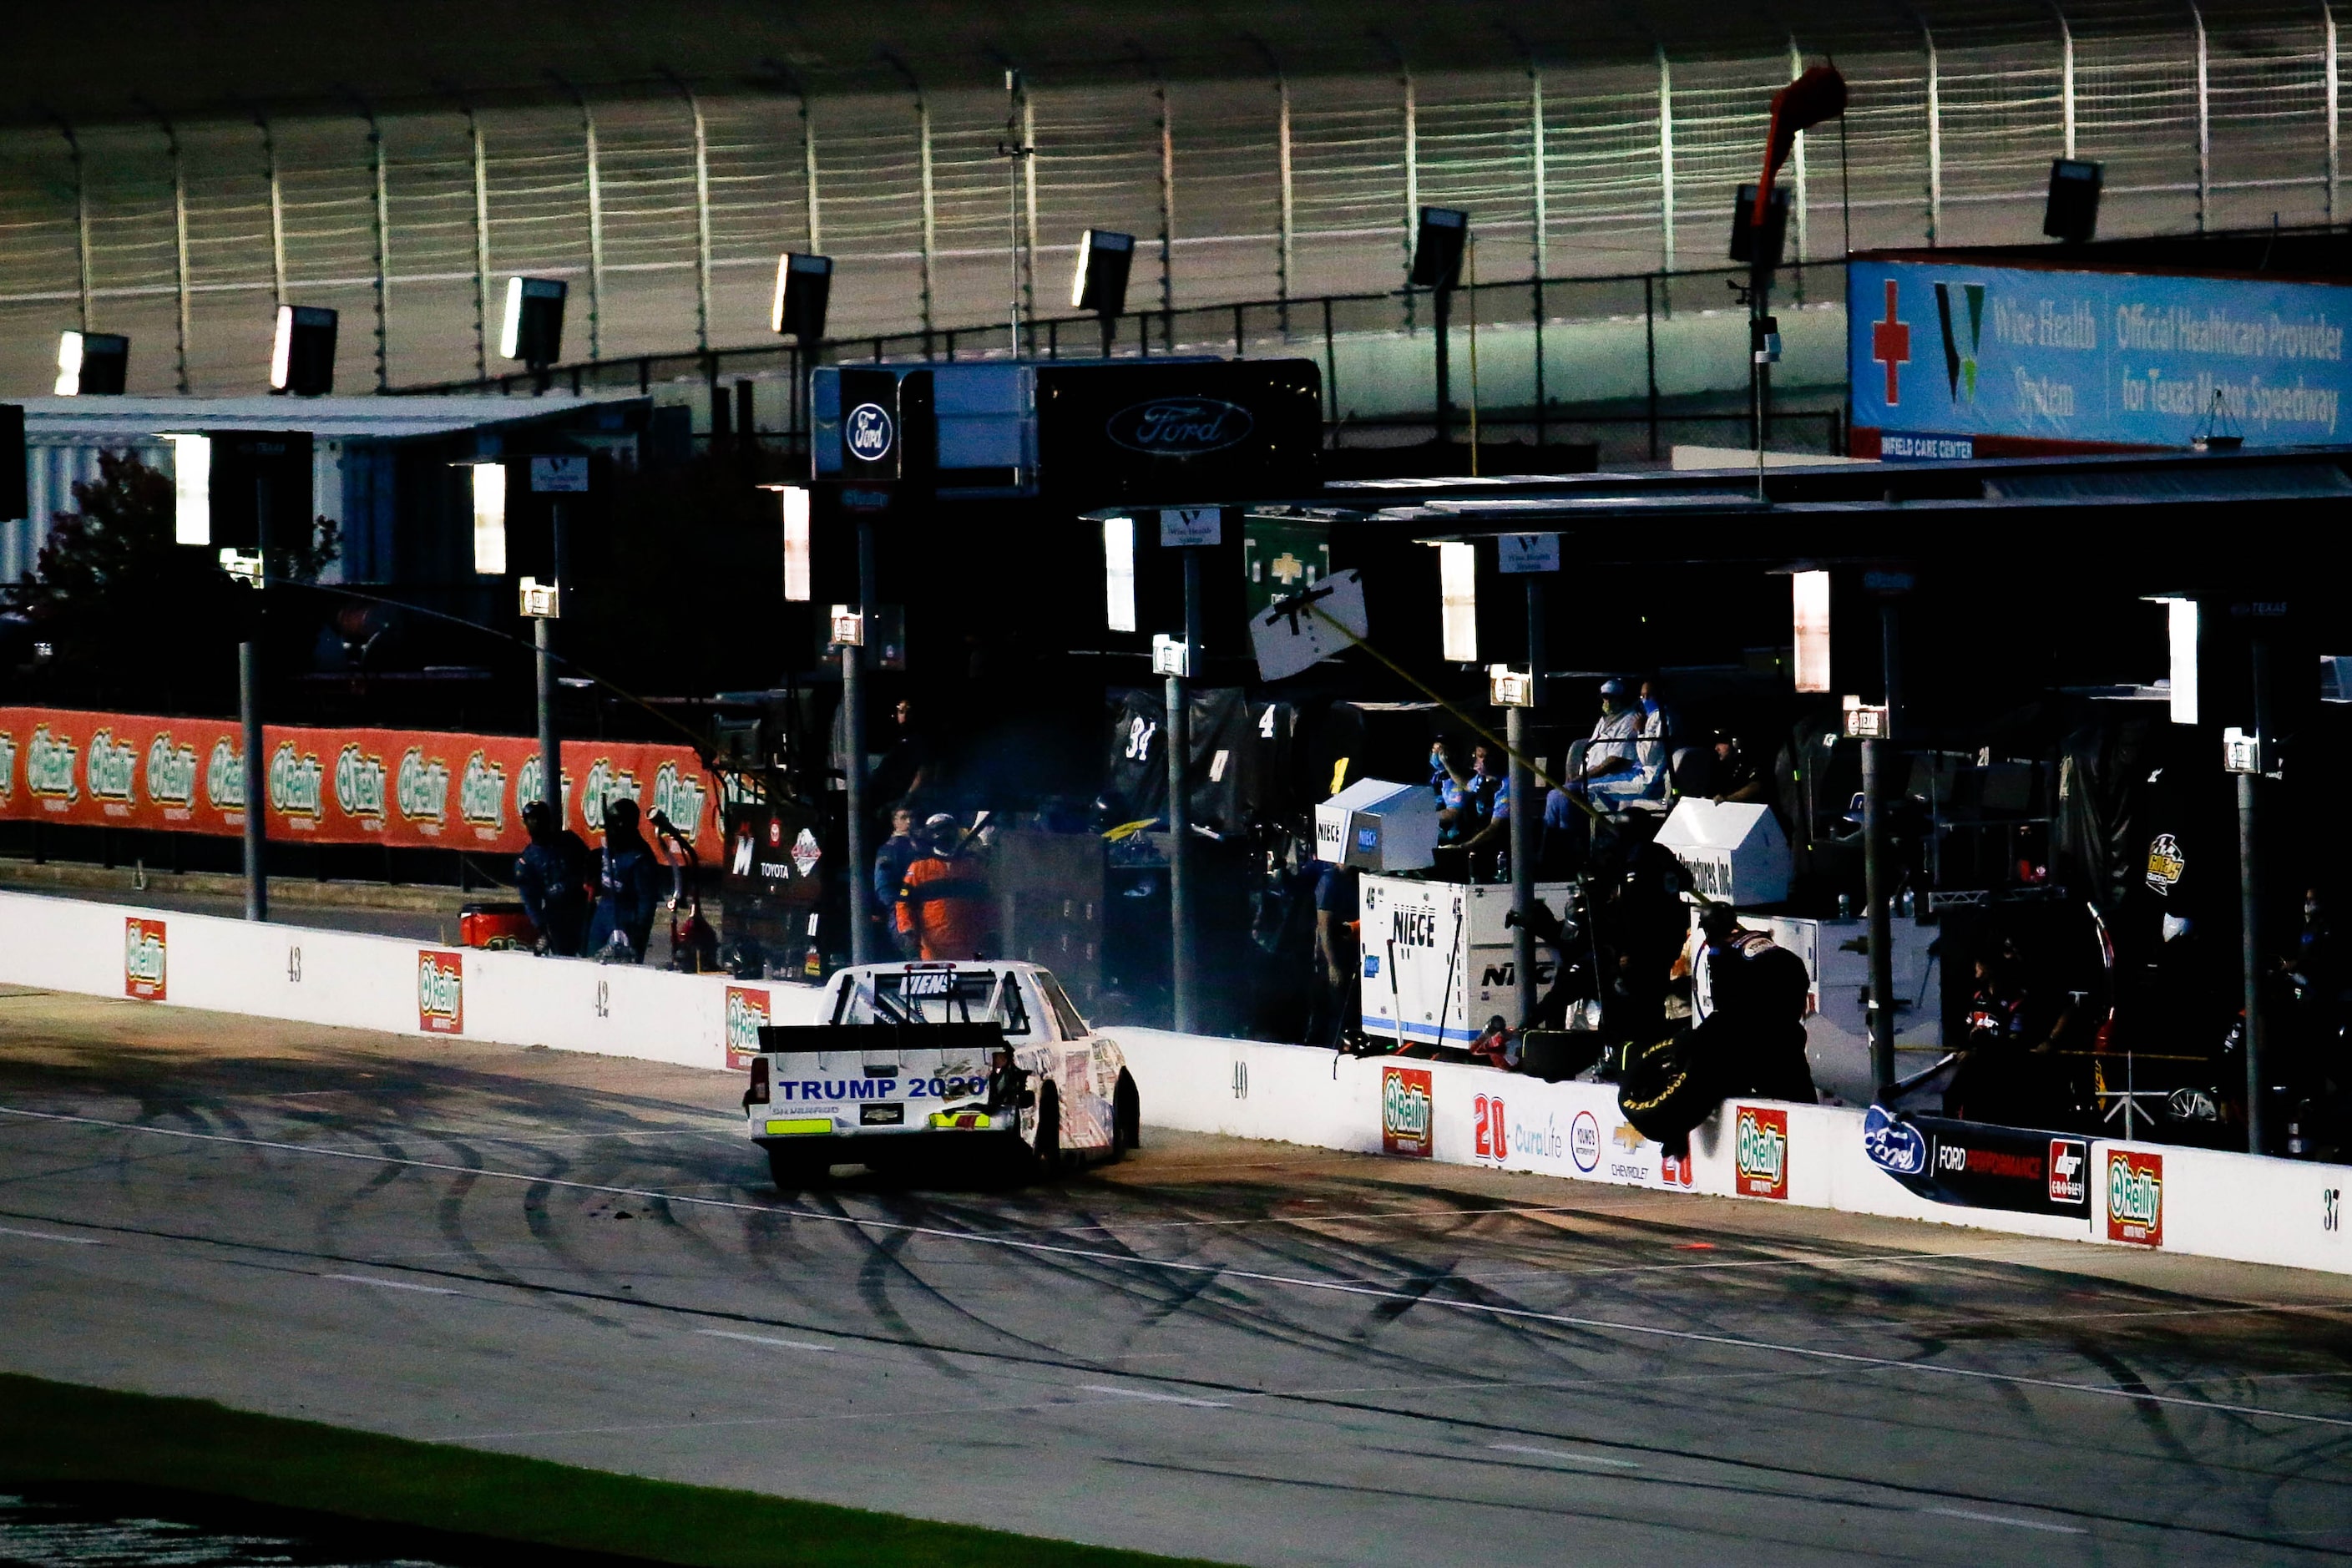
pixel 1965 362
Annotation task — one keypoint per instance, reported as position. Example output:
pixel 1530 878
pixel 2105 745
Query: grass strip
pixel 59 1434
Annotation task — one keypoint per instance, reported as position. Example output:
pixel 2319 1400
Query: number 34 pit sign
pixel 1301 629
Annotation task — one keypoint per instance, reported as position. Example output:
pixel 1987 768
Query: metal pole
pixel 1665 162
pixel 1525 811
pixel 1650 355
pixel 277 213
pixel 542 638
pixel 2250 919
pixel 1178 730
pixel 481 246
pixel 1445 301
pixel 1875 892
pixel 1934 141
pixel 249 707
pixel 82 215
pixel 1890 644
pixel 853 699
pixel 2204 122
pixel 2251 951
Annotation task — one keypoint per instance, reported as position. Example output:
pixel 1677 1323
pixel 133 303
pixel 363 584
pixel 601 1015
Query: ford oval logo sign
pixel 1180 427
pixel 868 432
pixel 1893 1144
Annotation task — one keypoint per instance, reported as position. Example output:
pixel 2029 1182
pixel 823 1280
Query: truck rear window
pixel 934 996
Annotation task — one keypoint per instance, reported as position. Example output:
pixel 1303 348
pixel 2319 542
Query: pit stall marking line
pixel 1129 1260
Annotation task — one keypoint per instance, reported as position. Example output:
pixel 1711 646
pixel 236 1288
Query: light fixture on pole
pixel 486 480
pixel 1099 284
pixel 1457 592
pixel 1809 594
pixel 1119 573
pixel 533 330
pixel 191 489
pixel 92 364
pixel 302 355
pixel 1437 247
pixel 803 288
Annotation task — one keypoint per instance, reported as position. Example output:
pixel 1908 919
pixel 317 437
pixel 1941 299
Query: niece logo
pixel 440 992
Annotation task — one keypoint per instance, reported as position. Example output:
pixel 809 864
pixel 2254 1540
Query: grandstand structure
pixel 398 162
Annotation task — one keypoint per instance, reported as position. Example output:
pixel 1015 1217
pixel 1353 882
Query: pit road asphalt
pixel 1246 1351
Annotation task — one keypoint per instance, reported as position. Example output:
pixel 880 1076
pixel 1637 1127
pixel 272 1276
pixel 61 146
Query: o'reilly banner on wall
pixel 1958 361
pixel 1179 430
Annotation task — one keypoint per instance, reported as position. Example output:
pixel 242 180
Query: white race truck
pixel 900 1068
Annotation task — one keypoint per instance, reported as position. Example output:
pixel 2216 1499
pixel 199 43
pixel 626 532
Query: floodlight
pixel 302 358
pixel 803 284
pixel 192 485
pixel 1457 592
pixel 533 331
pixel 1118 572
pixel 2181 625
pixel 795 503
pixel 1744 235
pixel 92 364
pixel 1099 284
pixel 1437 247
pixel 490 519
pixel 2071 212
pixel 1810 599
pixel 13 498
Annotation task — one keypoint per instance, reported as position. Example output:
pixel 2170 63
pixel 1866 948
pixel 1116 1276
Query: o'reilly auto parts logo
pixel 440 992
pixel 295 776
pixel 142 959
pixel 2135 1197
pixel 1761 1148
pixel 747 1014
pixel 50 767
pixel 1407 1111
pixel 421 785
pixel 171 776
pixel 112 769
pixel 868 432
pixel 359 785
pixel 1180 427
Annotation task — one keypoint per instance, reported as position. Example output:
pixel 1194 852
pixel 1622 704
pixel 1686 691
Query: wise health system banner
pixel 1954 360
pixel 417 789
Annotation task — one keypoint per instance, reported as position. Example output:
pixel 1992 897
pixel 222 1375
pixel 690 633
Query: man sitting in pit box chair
pixel 970 1063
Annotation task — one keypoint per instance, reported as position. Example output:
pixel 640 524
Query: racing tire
pixel 795 1170
pixel 1126 1117
pixel 1048 1142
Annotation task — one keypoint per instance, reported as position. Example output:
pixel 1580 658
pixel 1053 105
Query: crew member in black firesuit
pixel 629 888
pixel 551 878
pixel 1751 1043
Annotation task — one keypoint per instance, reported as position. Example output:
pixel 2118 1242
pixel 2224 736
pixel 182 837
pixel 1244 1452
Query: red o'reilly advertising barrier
pixel 417 789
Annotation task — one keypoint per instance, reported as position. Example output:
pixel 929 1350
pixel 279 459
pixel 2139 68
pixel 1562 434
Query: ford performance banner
pixel 1962 361
pixel 409 788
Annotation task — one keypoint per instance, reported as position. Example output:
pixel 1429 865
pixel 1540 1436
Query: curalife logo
pixel 482 794
pixel 359 783
pixel 8 765
pixel 112 768
pixel 224 777
pixel 679 796
pixel 1893 1144
pixel 1960 364
pixel 1407 1106
pixel 2165 865
pixel 421 785
pixel 50 767
pixel 170 774
pixel 1180 426
pixel 297 782
pixel 1761 1149
pixel 142 959
pixel 868 432
pixel 747 1014
pixel 2135 1197
pixel 440 992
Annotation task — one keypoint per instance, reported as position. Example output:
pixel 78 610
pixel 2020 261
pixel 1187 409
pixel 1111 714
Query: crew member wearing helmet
pixel 1752 1042
pixel 944 903
pixel 552 877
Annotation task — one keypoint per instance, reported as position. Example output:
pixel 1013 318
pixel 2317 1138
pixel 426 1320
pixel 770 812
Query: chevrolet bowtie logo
pixel 1626 1137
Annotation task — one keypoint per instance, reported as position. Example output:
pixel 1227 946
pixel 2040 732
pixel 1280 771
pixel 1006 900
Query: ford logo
pixel 868 432
pixel 1180 427
pixel 1893 1144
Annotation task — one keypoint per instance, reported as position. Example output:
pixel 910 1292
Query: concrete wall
pixel 2207 1204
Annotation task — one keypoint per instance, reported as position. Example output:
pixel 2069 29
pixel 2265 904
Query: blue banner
pixel 1940 356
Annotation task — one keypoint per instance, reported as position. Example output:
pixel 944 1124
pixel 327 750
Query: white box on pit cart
pixel 1440 955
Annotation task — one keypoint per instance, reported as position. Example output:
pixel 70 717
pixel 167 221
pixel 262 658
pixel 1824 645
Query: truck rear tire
pixel 1048 1144
pixel 795 1170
